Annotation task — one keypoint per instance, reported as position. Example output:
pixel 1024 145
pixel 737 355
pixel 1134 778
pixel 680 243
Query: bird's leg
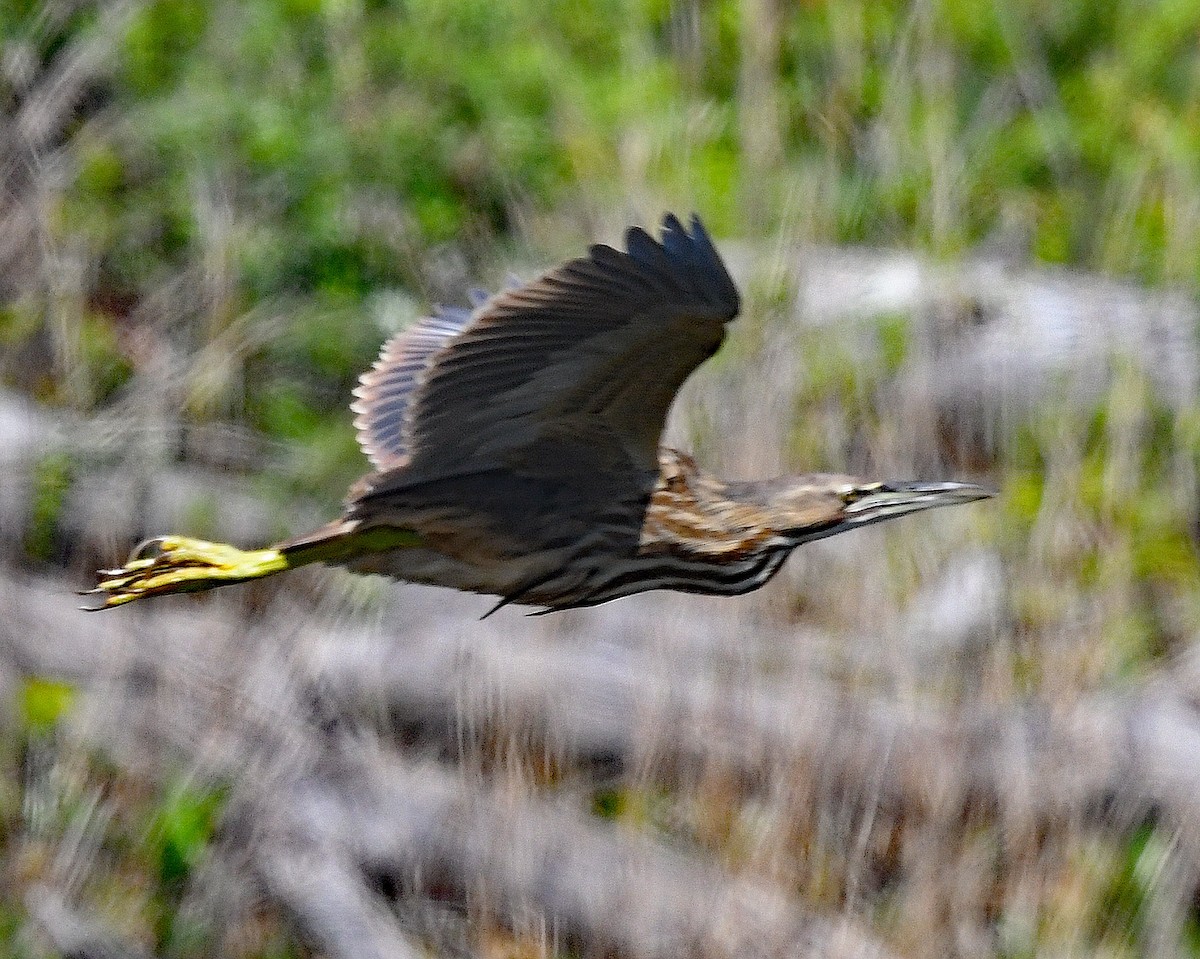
pixel 176 564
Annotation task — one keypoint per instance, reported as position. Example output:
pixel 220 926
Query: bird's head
pixel 807 508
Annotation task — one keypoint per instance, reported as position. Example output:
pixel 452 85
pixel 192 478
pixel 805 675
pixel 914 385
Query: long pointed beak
pixel 897 499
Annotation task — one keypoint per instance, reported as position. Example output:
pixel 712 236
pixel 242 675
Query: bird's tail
pixel 177 564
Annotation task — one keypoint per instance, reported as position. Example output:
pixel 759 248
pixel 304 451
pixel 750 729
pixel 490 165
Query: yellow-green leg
pixel 176 564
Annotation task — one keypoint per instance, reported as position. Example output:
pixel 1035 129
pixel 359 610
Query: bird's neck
pixel 695 512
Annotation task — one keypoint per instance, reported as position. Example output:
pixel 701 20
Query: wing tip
pixel 695 252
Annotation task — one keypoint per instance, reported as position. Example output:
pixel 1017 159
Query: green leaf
pixel 44 702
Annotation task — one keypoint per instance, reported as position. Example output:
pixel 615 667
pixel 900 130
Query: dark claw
pixel 140 551
pixel 92 592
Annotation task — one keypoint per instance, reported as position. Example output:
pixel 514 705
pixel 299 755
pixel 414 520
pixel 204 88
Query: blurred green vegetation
pixel 336 134
pixel 52 477
pixel 1116 476
pixel 43 703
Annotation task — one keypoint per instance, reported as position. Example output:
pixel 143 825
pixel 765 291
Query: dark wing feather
pixel 573 371
pixel 385 391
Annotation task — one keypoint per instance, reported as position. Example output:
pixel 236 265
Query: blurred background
pixel 968 235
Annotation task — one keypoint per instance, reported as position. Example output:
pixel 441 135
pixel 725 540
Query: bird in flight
pixel 516 453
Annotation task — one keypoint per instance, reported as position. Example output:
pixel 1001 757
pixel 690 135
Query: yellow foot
pixel 174 564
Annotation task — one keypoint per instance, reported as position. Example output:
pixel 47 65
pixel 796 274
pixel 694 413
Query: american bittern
pixel 516 452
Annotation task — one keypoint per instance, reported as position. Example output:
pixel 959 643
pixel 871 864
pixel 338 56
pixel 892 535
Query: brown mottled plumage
pixel 516 452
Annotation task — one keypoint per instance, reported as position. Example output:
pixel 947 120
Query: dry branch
pixel 427 832
pixel 328 899
pixel 1004 335
pixel 72 934
pixel 50 105
pixel 606 708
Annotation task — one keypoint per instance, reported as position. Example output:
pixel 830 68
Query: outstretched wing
pixel 384 393
pixel 587 357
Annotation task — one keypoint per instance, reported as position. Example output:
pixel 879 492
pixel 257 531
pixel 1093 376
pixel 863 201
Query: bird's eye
pixel 853 492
